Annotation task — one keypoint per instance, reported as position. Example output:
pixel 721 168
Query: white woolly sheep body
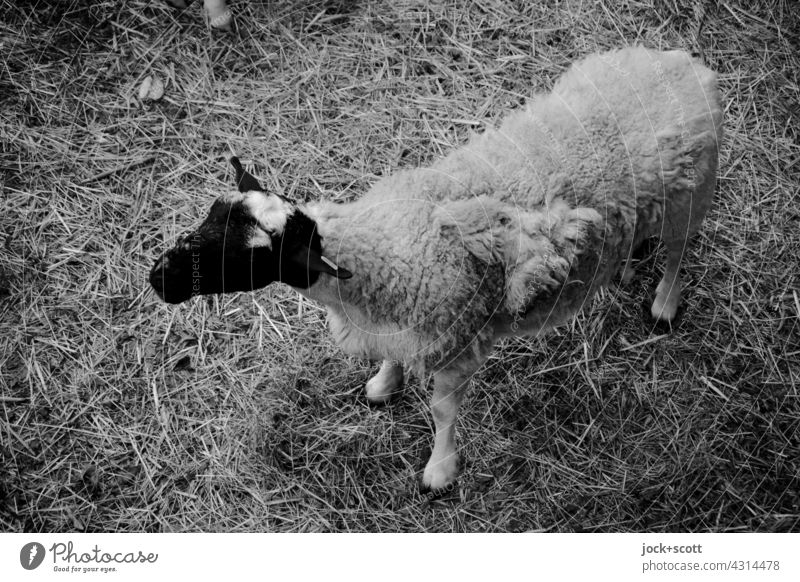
pixel 510 234
pixel 633 184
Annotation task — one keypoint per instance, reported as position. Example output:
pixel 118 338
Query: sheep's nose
pixel 157 275
pixel 157 280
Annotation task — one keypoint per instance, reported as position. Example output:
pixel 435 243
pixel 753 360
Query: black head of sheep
pixel 248 240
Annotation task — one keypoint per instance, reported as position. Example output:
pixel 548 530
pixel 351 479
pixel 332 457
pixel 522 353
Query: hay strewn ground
pixel 238 413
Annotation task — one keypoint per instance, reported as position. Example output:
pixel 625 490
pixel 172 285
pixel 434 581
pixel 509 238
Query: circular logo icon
pixel 31 555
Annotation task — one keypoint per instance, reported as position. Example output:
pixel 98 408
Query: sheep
pixel 511 234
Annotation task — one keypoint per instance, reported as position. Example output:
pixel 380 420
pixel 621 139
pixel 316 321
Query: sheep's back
pixel 598 135
pixel 641 90
pixel 630 124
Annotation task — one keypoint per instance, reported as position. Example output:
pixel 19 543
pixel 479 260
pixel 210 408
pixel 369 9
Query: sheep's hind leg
pixel 628 272
pixel 385 383
pixel 448 392
pixel 685 211
pixel 668 292
pixel 219 16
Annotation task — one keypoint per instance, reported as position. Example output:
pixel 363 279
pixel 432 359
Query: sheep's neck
pixel 381 245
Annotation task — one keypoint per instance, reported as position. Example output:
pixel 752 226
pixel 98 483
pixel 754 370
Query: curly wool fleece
pixel 512 233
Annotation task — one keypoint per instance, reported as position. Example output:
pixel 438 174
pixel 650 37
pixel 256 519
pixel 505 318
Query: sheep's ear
pixel 310 260
pixel 244 180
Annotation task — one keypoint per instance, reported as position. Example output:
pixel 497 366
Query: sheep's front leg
pixel 385 383
pixel 448 392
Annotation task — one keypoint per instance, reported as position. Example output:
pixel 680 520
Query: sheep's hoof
pixel 665 305
pixel 627 275
pixel 378 396
pixel 377 402
pixel 440 477
pixel 432 494
pixel 382 387
pixel 223 21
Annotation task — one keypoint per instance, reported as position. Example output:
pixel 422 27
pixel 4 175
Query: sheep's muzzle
pixel 169 283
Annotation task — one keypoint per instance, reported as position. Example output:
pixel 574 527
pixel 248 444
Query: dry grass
pixel 238 413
